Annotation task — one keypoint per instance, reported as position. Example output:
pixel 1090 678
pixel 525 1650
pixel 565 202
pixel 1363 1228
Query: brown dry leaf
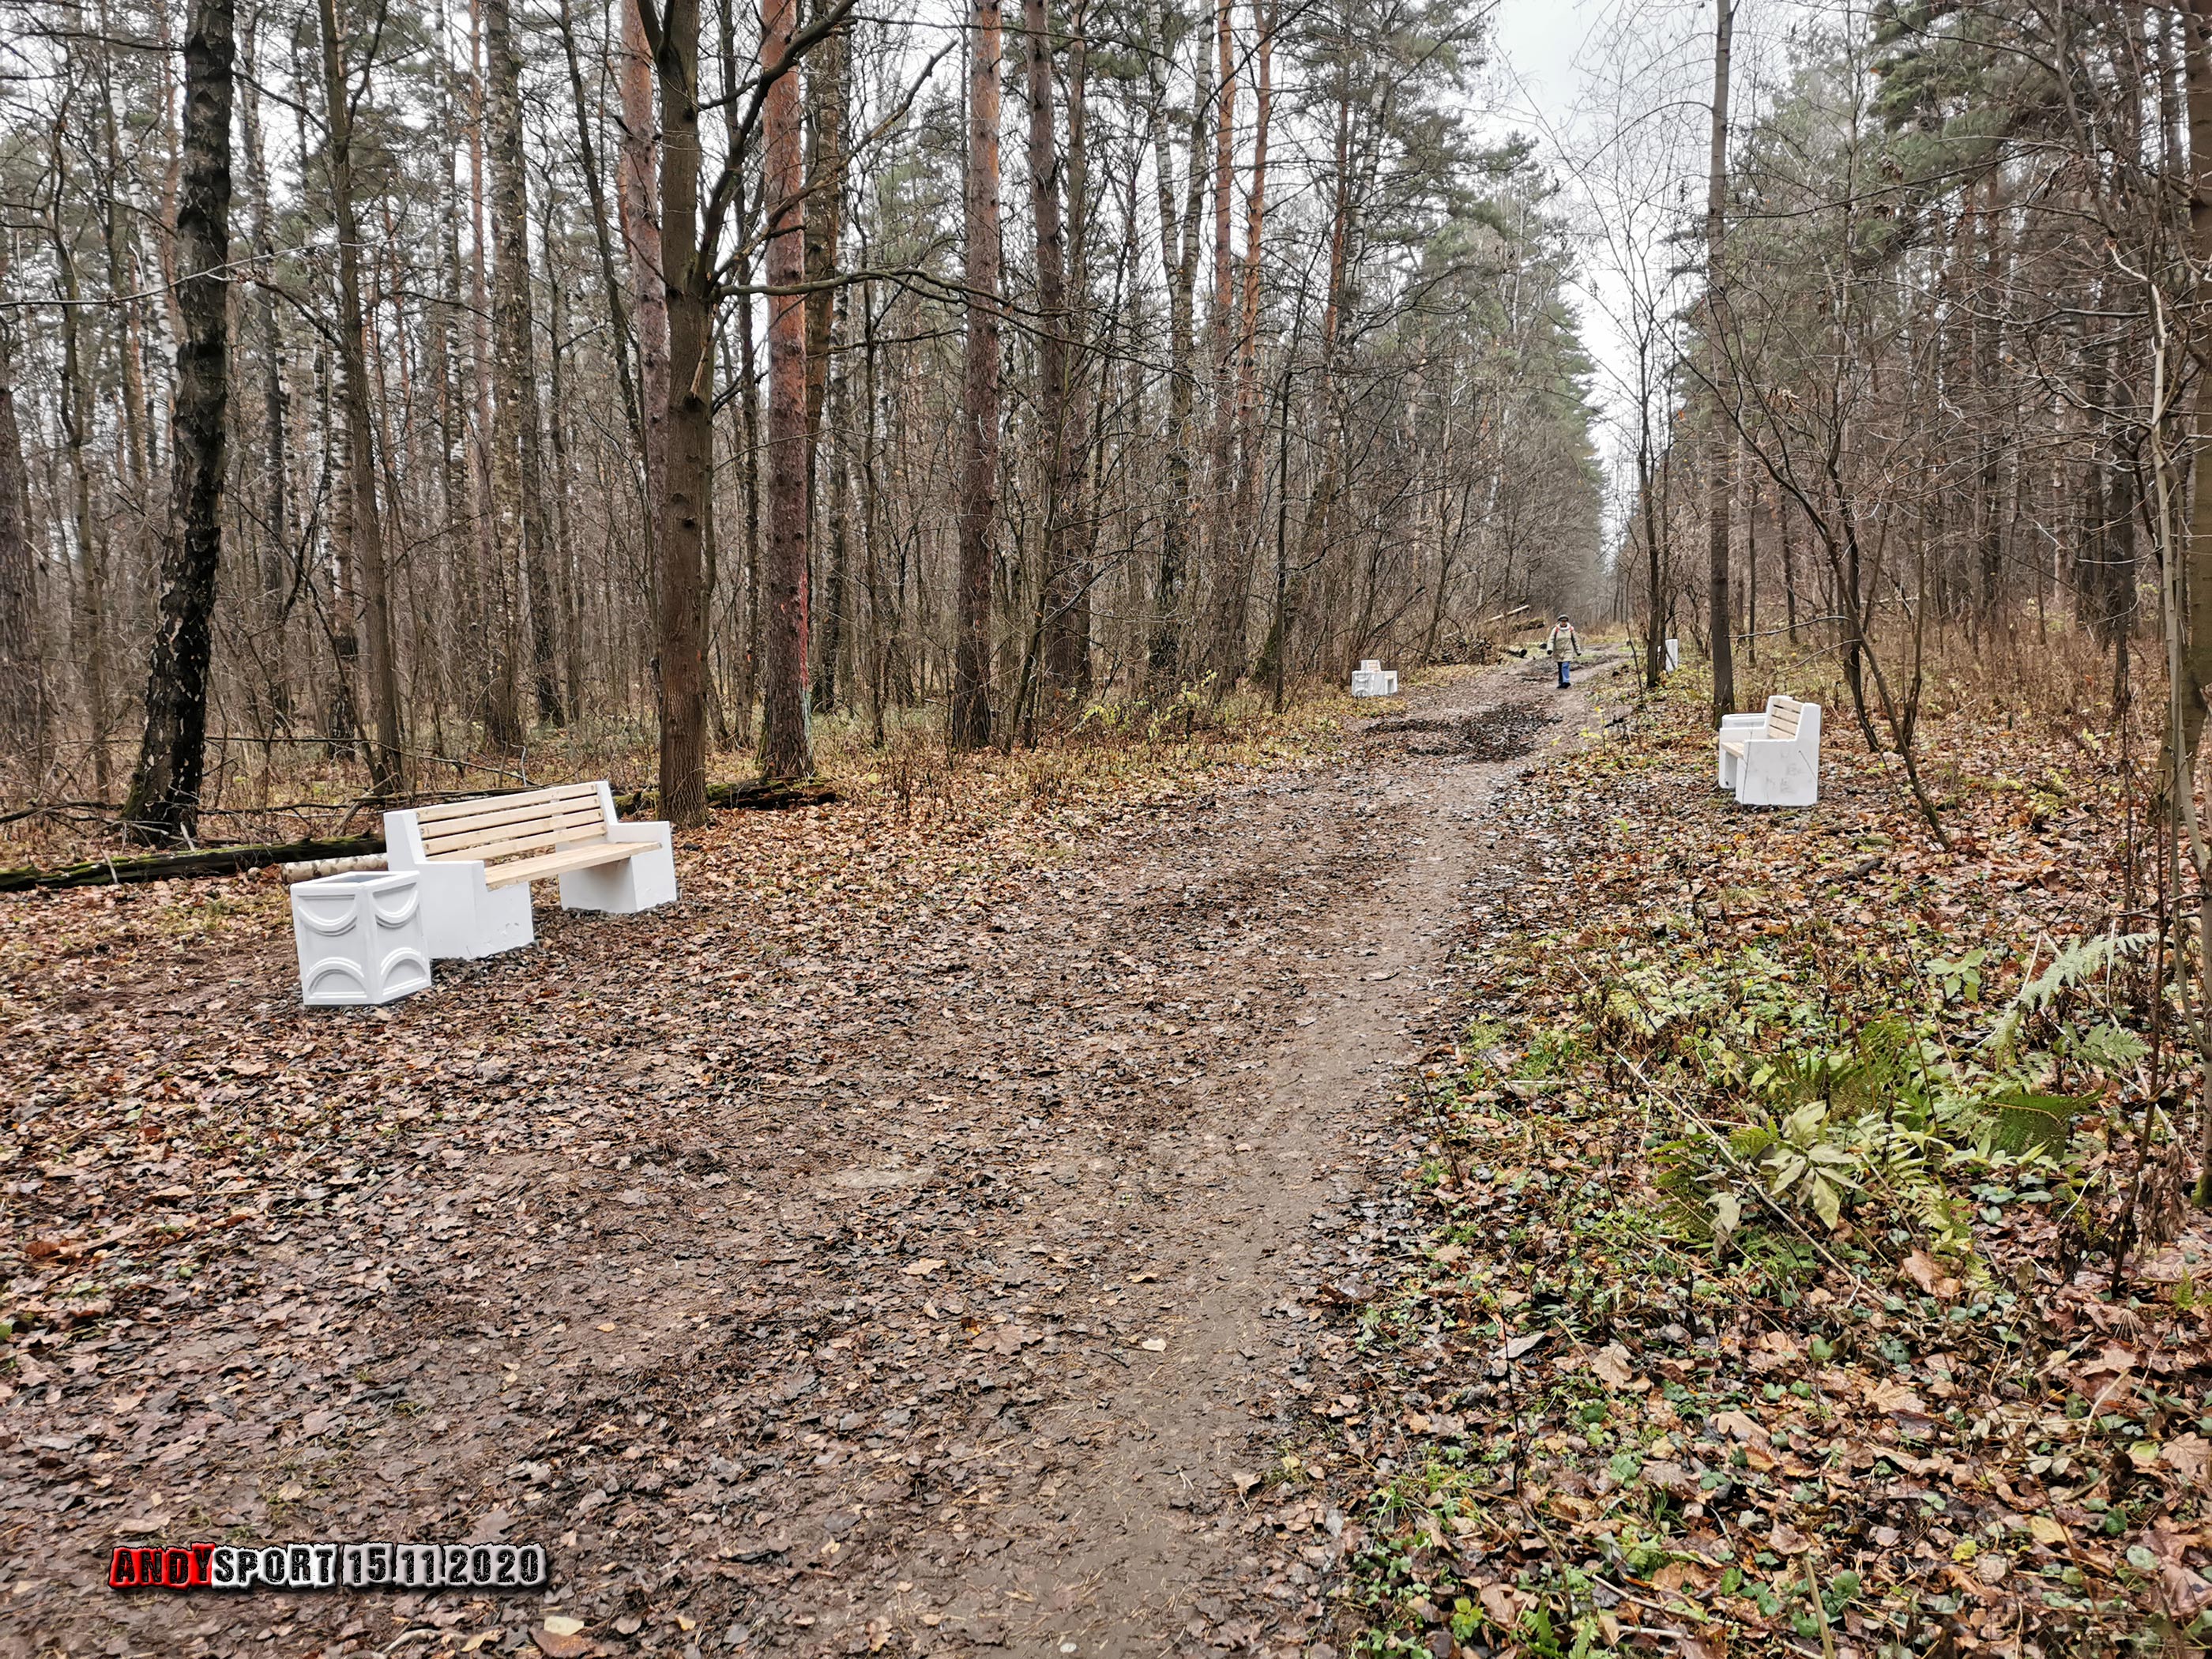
pixel 1738 1426
pixel 1885 1394
pixel 928 1264
pixel 1616 1369
pixel 2186 1454
pixel 2044 1530
pixel 1503 1606
pixel 1922 1269
pixel 1786 1540
pixel 1678 1576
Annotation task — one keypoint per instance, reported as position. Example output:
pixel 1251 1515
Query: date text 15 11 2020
pixel 329 1566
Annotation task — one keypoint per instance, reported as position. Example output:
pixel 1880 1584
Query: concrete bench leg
pixel 637 883
pixel 463 919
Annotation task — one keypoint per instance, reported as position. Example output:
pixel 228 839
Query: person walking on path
pixel 1562 640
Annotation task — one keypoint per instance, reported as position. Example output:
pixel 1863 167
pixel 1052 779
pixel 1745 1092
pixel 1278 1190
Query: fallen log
pixel 753 796
pixel 206 861
pixel 750 797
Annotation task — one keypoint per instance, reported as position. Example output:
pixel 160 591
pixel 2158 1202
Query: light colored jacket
pixel 1563 640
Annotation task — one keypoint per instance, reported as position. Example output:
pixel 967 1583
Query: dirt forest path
pixel 931 1288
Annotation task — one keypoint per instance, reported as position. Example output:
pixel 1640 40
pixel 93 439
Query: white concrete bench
pixel 1372 679
pixel 475 860
pixel 1773 759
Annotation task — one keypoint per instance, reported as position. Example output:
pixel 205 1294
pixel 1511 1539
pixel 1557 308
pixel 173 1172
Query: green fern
pixel 2073 967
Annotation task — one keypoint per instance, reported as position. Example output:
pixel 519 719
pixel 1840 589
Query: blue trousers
pixel 1563 681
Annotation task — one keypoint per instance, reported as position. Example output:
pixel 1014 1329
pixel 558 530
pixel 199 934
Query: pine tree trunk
pixel 825 93
pixel 357 522
pixel 680 541
pixel 640 227
pixel 787 736
pixel 88 601
pixel 836 598
pixel 1720 451
pixel 518 436
pixel 502 710
pixel 979 430
pixel 23 702
pixel 1229 576
pixel 1066 654
pixel 1179 241
pixel 163 804
pixel 1244 517
pixel 2197 652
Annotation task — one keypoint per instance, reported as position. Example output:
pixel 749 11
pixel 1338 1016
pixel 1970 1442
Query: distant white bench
pixel 475 860
pixel 1372 679
pixel 1773 759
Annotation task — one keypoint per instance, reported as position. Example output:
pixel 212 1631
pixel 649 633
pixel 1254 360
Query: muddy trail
pixel 938 1286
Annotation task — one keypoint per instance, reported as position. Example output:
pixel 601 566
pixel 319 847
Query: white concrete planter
pixel 359 937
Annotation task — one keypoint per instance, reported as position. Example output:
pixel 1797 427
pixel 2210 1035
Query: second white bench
pixel 475 860
pixel 1772 759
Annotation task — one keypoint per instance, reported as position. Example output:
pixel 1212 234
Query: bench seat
pixel 475 860
pixel 561 863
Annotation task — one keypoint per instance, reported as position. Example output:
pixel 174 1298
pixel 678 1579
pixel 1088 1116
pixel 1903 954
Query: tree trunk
pixel 357 521
pixel 164 801
pixel 836 598
pixel 1066 654
pixel 88 601
pixel 502 710
pixel 825 95
pixel 641 226
pixel 637 66
pixel 787 734
pixel 979 435
pixel 1720 453
pixel 518 436
pixel 679 542
pixel 1179 255
pixel 2196 650
pixel 1230 579
pixel 23 702
pixel 1244 516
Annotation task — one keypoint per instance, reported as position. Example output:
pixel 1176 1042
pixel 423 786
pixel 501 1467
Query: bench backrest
pixel 1783 715
pixel 494 826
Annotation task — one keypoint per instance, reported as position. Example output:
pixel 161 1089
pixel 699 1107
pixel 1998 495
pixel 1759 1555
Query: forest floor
pixel 1087 1222
pixel 905 1238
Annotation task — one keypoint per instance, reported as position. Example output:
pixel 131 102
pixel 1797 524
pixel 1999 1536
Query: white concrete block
pixel 360 939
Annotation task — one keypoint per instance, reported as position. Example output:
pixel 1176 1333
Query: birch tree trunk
pixel 979 435
pixel 163 804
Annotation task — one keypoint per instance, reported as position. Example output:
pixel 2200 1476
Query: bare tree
pixel 163 804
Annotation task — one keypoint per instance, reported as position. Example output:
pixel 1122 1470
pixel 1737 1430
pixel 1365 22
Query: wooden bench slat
pixel 577 820
pixel 529 841
pixel 568 858
pixel 1735 748
pixel 540 798
pixel 517 813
